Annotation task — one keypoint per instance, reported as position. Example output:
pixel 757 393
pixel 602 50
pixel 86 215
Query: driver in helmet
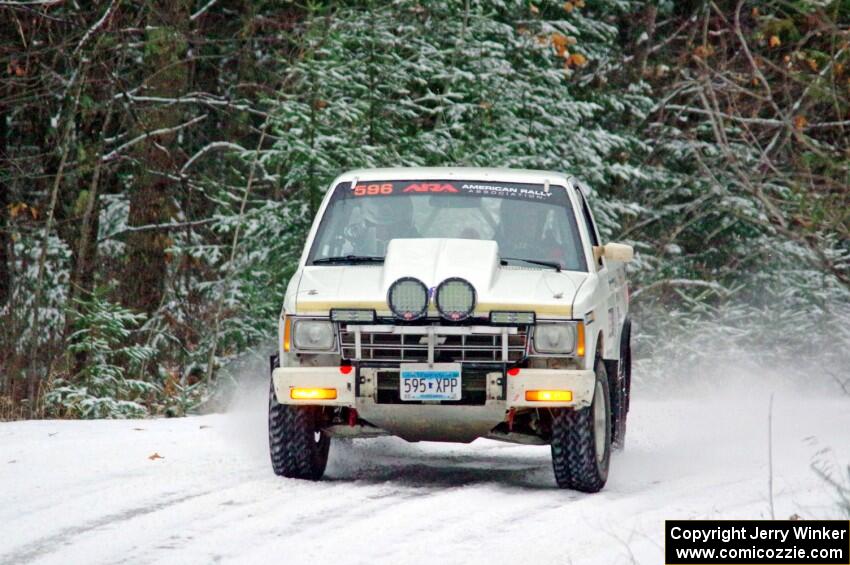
pixel 522 232
pixel 381 219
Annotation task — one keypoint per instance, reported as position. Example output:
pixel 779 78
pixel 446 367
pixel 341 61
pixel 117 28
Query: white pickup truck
pixel 448 304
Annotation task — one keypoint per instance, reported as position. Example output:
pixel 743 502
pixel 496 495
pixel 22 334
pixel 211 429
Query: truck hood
pixel 541 290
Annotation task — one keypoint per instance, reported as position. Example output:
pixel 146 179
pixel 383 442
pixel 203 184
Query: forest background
pixel 161 161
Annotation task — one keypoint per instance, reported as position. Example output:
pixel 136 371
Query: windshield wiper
pixel 352 259
pixel 556 266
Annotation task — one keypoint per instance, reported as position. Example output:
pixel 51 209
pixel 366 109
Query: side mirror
pixel 614 252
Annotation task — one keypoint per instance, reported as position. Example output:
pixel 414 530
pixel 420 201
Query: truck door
pixel 607 319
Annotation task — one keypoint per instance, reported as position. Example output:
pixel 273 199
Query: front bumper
pixel 580 382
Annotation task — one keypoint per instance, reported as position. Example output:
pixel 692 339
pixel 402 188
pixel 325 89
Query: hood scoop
pixel 434 260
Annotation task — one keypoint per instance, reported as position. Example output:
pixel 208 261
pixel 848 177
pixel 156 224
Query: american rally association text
pixel 757 533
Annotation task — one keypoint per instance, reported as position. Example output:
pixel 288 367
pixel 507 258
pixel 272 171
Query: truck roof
pixel 492 174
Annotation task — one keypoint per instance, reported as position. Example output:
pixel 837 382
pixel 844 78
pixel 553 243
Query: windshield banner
pixel 516 191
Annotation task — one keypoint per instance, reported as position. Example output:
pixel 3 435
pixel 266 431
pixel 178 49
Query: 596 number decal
pixel 373 189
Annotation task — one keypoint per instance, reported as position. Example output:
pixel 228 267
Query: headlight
pixel 408 298
pixel 555 338
pixel 455 299
pixel 313 335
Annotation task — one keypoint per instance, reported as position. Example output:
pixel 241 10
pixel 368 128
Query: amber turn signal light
pixel 580 339
pixel 312 393
pixel 549 395
pixel 287 333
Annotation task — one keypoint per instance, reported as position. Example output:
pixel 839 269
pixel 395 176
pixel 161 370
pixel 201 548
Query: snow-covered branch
pixel 116 152
pixel 97 25
pixel 30 3
pixel 197 99
pixel 155 227
pixel 211 147
pixel 754 121
pixel 200 12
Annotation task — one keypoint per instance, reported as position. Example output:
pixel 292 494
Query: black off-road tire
pixel 298 448
pixel 622 389
pixel 574 451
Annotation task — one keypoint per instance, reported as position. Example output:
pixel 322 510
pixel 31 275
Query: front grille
pixel 401 347
pixel 473 390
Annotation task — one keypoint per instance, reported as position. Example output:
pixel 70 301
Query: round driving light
pixel 408 298
pixel 455 299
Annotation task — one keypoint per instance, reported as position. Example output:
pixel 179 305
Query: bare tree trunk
pixel 645 40
pixel 85 246
pixel 33 385
pixel 5 236
pixel 6 336
pixel 152 197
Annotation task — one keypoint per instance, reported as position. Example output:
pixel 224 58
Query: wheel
pixel 623 384
pixel 581 440
pixel 299 449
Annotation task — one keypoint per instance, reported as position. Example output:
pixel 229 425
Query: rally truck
pixel 450 304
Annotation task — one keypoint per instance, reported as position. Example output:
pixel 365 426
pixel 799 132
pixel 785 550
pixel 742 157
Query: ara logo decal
pixel 429 187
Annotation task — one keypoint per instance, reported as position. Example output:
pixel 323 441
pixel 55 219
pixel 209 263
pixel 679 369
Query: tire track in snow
pixel 53 542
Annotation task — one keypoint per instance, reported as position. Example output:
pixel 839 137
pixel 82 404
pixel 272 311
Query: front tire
pixel 581 440
pixel 298 447
pixel 622 391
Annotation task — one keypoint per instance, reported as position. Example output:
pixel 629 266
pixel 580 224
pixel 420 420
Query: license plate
pixel 421 381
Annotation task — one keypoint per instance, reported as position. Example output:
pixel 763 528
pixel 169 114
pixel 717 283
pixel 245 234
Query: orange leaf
pixel 559 42
pixel 155 456
pixel 800 122
pixel 579 3
pixel 13 68
pixel 16 209
pixel 774 41
pixel 534 9
pixel 703 51
pixel 568 7
pixel 577 60
pixel 813 64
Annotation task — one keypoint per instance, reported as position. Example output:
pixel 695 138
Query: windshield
pixel 528 223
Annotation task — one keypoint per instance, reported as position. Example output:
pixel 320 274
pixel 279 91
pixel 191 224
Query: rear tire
pixel 581 440
pixel 298 447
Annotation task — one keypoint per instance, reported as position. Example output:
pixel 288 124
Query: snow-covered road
pixel 90 492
